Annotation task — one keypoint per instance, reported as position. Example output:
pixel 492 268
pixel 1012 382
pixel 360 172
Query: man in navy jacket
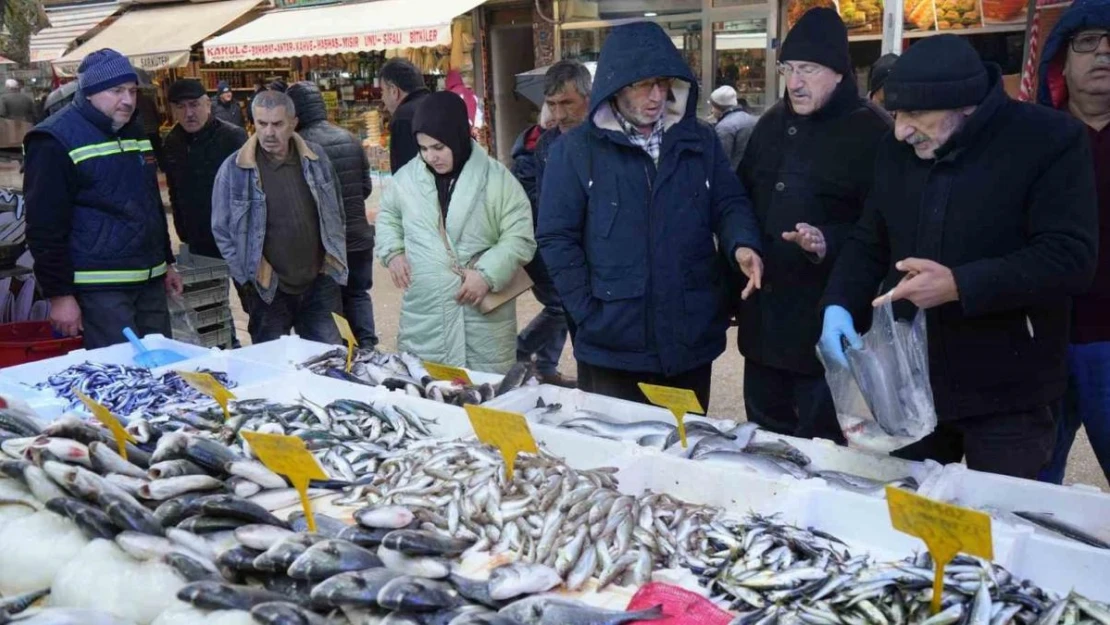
pixel 96 225
pixel 635 204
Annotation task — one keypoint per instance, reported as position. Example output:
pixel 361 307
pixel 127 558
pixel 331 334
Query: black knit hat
pixel 819 36
pixel 937 73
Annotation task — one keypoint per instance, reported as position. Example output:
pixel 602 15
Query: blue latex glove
pixel 838 323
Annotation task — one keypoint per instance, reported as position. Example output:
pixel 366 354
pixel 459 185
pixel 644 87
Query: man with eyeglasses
pixel 983 215
pixel 808 167
pixel 633 206
pixel 1075 78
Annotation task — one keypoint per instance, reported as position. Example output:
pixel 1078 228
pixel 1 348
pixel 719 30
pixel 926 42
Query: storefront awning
pixel 380 25
pixel 67 24
pixel 160 37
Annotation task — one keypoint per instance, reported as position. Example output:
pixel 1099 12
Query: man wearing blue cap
pixel 226 109
pixel 95 221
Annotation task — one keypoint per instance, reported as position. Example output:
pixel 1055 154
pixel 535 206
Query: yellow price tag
pixel 110 421
pixel 679 401
pixel 288 456
pixel 210 386
pixel 945 529
pixel 349 336
pixel 447 373
pixel 507 431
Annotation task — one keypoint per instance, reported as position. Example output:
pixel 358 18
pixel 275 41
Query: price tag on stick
pixel 447 373
pixel 210 386
pixel 507 431
pixel 288 456
pixel 946 530
pixel 110 421
pixel 679 401
pixel 348 335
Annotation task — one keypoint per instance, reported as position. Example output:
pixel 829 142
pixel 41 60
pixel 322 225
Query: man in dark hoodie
pixel 633 205
pixel 352 167
pixel 981 214
pixel 808 168
pixel 1075 78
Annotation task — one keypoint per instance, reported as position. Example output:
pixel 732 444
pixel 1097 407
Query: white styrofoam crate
pixel 1083 506
pixel 825 455
pixel 290 351
pixel 1060 565
pixel 241 373
pixel 33 373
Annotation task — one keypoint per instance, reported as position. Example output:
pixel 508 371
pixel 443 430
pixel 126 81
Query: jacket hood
pixel 638 51
pixel 454 80
pixel 309 103
pixel 1053 89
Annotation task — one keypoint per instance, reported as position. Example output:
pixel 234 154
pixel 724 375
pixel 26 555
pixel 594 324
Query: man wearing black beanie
pixel 982 215
pixel 808 167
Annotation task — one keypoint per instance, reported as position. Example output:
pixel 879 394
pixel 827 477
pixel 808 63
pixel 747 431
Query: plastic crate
pixel 196 269
pixel 199 298
pixel 209 316
pixel 219 336
pixel 28 341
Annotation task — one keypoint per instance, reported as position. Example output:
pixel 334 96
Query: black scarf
pixel 442 116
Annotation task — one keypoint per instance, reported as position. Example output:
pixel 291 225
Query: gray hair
pixel 274 99
pixel 559 74
pixel 11 83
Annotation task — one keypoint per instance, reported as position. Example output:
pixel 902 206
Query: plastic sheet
pixel 883 398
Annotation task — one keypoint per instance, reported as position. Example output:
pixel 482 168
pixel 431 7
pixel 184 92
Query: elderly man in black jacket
pixel 194 150
pixel 982 214
pixel 352 166
pixel 402 89
pixel 808 168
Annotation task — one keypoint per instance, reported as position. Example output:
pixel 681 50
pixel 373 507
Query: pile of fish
pixel 168 521
pixel 347 436
pixel 123 389
pixel 573 522
pixel 709 442
pixel 406 372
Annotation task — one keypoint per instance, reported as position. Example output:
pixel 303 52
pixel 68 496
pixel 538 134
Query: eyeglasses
pixel 1085 43
pixel 664 84
pixel 803 71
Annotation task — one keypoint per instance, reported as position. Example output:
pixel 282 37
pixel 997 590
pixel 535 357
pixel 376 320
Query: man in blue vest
pixel 95 221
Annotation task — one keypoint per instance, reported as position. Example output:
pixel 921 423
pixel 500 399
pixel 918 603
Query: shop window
pixel 740 60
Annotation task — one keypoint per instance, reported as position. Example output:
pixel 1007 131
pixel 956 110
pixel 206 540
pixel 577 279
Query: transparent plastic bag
pixel 883 397
pixel 181 324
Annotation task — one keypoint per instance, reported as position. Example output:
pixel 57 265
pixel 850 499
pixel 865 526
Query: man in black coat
pixel 983 214
pixel 402 89
pixel 225 108
pixel 808 168
pixel 194 150
pixel 347 155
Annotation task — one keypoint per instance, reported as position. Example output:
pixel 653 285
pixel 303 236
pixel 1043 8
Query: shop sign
pixel 331 100
pixel 340 44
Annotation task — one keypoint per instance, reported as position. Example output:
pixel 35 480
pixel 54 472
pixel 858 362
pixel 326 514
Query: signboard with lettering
pixel 439 35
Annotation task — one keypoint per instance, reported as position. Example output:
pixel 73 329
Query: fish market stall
pixel 416 521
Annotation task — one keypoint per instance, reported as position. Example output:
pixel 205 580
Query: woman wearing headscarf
pixel 454 226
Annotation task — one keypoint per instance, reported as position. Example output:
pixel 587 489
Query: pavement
pixel 727 394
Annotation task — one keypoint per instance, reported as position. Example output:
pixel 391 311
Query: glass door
pixel 740 60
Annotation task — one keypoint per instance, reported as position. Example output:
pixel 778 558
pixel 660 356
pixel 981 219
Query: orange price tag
pixel 288 456
pixel 507 431
pixel 210 386
pixel 349 336
pixel 447 373
pixel 109 421
pixel 946 530
pixel 679 401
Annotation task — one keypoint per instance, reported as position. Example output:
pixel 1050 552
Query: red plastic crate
pixel 28 341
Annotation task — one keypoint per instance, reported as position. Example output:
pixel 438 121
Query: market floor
pixel 728 371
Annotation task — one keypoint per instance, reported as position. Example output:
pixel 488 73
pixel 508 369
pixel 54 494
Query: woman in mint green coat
pixel 454 226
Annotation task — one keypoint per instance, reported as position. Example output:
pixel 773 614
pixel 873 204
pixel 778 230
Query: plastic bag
pixel 181 324
pixel 883 398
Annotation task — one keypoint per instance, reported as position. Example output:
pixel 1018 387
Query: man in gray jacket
pixel 277 217
pixel 734 124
